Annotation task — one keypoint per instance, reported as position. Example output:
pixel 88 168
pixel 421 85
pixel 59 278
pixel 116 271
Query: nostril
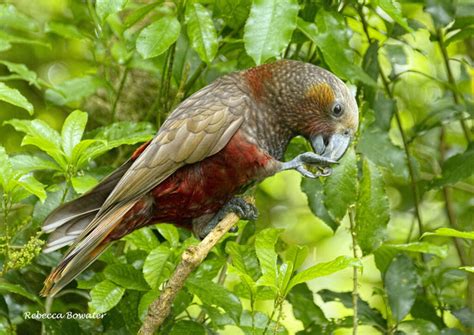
pixel 346 132
pixel 326 141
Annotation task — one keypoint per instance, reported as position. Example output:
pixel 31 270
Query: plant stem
pixel 119 92
pixel 6 204
pixel 355 273
pixel 451 80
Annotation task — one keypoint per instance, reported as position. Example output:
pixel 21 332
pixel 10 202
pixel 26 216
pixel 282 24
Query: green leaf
pixel 213 294
pixel 450 233
pixel 330 35
pixel 156 38
pixel 82 184
pixel 20 69
pixel 6 170
pixel 424 247
pixel 139 13
pixel 186 327
pixel 14 97
pixel 154 266
pixel 41 135
pixel 6 287
pixel 341 187
pixel 126 276
pixel 418 327
pixel 315 192
pixel 73 90
pixel 372 209
pixel 65 30
pixel 142 239
pixel 234 12
pixel 7 38
pixel 81 155
pixel 265 250
pixel 12 18
pixel 467 268
pixel 170 233
pixel 72 131
pixel 201 32
pixel 441 11
pixel 401 281
pixel 304 308
pixel 296 255
pixel 244 258
pixel 393 8
pixel 104 8
pixel 32 185
pixel 105 296
pixel 269 28
pixel 457 168
pixel 145 302
pixel 323 269
pixel 463 34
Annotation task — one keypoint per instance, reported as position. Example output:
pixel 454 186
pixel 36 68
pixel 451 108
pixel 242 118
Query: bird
pixel 223 139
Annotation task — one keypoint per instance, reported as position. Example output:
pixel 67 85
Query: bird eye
pixel 337 110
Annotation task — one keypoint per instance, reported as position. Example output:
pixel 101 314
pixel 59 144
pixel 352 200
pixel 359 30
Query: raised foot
pixel 309 158
pixel 239 206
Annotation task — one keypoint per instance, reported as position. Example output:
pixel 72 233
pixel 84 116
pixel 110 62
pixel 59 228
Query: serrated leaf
pixel 142 239
pixel 457 168
pixel 72 131
pixel 372 209
pixel 340 187
pixel 33 186
pixel 214 294
pixel 323 269
pixel 450 232
pixel 201 32
pixel 156 38
pixel 330 35
pixel 170 233
pixel 104 8
pixel 82 184
pixel 7 287
pixel 6 170
pixel 126 276
pixel 105 296
pixel 28 163
pixel 401 282
pixel 269 28
pixel 73 90
pixel 392 8
pixel 154 266
pixel 314 190
pixel 12 18
pixel 21 70
pixel 266 254
pixel 14 97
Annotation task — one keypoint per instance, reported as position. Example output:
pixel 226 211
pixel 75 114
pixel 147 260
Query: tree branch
pixel 192 257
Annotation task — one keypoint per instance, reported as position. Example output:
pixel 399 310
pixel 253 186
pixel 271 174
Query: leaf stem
pixel 119 92
pixel 355 273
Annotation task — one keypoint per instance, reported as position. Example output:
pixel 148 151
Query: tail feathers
pixel 89 245
pixel 88 204
pixel 67 233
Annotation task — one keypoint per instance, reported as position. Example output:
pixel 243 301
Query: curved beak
pixel 332 147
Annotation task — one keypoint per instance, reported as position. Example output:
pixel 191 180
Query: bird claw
pixel 310 158
pixel 243 209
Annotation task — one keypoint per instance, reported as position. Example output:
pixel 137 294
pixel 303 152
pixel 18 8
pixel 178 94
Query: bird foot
pixel 309 158
pixel 239 206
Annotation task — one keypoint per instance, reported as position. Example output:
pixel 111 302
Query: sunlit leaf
pixel 143 239
pixel 105 296
pixel 63 29
pixel 170 233
pixel 269 28
pixel 401 282
pixel 82 184
pixel 104 8
pixel 155 264
pixel 73 90
pixel 265 249
pixel 201 31
pixel 33 186
pixel 14 97
pixel 156 38
pixel 450 232
pixel 314 190
pixel 6 169
pixel 372 209
pixel 21 70
pixel 393 8
pixel 126 276
pixel 12 18
pixel 72 131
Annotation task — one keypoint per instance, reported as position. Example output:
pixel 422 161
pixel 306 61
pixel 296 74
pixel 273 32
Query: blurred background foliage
pixel 83 82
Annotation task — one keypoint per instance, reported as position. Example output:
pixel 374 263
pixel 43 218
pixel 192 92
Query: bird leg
pixel 309 158
pixel 239 206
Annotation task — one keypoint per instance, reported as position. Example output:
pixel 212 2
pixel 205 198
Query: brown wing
pixel 200 127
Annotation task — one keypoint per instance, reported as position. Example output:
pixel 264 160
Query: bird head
pixel 314 103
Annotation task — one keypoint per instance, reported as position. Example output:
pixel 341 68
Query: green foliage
pixel 83 82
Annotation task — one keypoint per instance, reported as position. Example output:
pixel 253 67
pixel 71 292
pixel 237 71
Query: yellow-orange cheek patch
pixel 322 94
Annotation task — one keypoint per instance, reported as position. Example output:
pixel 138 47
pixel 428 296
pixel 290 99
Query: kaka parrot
pixel 215 144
